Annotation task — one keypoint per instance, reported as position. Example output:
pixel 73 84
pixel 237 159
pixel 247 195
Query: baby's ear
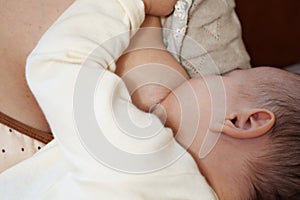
pixel 245 125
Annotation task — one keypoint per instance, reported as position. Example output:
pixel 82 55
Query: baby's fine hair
pixel 276 174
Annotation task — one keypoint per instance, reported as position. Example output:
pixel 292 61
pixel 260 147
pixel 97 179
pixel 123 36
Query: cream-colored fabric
pixel 84 42
pixel 208 39
pixel 15 147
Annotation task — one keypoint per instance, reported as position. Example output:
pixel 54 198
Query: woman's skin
pixel 22 24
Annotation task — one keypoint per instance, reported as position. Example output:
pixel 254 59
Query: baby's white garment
pixel 83 43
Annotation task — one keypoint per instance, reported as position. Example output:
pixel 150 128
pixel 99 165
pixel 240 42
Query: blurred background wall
pixel 271 31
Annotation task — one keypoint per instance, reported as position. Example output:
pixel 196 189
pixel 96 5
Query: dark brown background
pixel 271 30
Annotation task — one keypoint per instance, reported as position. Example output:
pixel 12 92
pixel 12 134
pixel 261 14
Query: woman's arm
pixel 147 58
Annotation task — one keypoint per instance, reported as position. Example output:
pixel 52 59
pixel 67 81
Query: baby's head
pixel 257 155
pixel 275 173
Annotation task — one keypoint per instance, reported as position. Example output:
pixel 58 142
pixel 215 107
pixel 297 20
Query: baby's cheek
pixel 169 112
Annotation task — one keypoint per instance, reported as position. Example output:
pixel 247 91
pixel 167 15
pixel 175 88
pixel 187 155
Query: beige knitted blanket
pixel 205 37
